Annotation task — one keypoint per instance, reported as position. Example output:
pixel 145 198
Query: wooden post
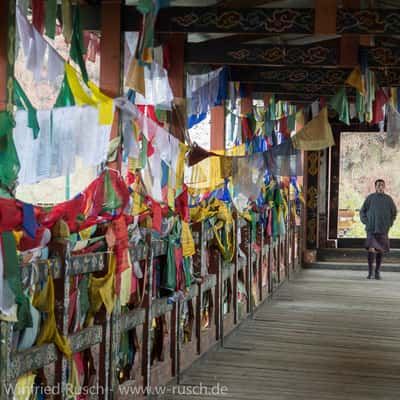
pixel 325 17
pixel 217 137
pixel 7 56
pixel 311 198
pixel 111 61
pixel 235 276
pixel 334 186
pixel 176 76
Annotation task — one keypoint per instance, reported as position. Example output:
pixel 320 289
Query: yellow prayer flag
pixel 316 135
pixel 188 247
pixel 106 113
pixel 357 80
pixel 135 77
pixel 80 96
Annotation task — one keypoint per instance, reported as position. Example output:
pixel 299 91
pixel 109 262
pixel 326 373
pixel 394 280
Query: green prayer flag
pixel 111 200
pixel 78 45
pixel 360 106
pixel 50 17
pixel 9 162
pixel 272 108
pixel 84 295
pixel 143 155
pixel 65 97
pixel 144 6
pixel 169 273
pixel 291 121
pixel 113 149
pixel 21 101
pixel 12 272
pixel 340 103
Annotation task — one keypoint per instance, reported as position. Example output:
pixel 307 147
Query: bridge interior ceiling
pixel 278 46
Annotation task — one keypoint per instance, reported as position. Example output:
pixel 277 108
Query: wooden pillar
pixel 246 105
pixel 111 60
pixel 311 174
pixel 349 44
pixel 322 199
pixel 176 76
pixel 217 141
pixel 334 185
pixel 7 50
pixel 7 56
pixel 325 17
pixel 7 40
pixel 110 84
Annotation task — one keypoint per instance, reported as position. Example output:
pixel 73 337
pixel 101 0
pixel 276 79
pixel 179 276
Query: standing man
pixel 377 214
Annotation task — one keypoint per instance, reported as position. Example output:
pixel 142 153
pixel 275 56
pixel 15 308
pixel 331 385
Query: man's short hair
pixel 379 181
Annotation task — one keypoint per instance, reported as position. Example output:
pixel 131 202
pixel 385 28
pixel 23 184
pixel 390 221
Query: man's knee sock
pixel 378 261
pixel 371 257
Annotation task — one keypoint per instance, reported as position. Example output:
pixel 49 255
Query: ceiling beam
pixel 243 3
pixel 318 54
pixel 303 89
pixel 311 76
pixel 271 21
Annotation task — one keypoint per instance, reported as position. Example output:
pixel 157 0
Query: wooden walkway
pixel 325 335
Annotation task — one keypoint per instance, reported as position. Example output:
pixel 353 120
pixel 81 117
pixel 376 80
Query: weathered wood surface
pixel 325 335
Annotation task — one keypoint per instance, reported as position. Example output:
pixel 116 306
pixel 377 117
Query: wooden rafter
pixel 251 21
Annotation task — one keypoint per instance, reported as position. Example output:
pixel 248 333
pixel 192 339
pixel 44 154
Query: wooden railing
pixel 228 293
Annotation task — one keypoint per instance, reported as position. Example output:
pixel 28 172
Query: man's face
pixel 380 187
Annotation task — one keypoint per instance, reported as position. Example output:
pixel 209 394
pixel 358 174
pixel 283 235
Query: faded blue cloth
pixel 223 86
pixel 195 119
pixel 29 222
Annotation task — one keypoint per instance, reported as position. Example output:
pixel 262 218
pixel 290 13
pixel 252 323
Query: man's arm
pixel 364 210
pixel 393 211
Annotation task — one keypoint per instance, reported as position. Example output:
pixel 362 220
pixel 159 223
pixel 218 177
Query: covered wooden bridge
pixel 187 270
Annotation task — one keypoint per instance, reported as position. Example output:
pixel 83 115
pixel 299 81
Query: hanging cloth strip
pixel 316 134
pixel 284 160
pixel 22 102
pixel 78 44
pixel 340 103
pixel 9 163
pixel 12 275
pixel 170 272
pixel 44 301
pixel 102 291
pixel 393 127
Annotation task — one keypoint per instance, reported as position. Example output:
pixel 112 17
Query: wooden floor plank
pixel 325 335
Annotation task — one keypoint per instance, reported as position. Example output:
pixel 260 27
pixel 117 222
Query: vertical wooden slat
pixel 325 17
pixel 235 276
pixel 334 186
pixel 111 56
pixel 61 292
pixel 217 135
pixel 312 172
pixel 176 76
pixel 7 49
pixel 146 366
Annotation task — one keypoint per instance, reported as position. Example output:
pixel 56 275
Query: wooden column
pixel 217 141
pixel 323 181
pixel 111 84
pixel 311 174
pixel 7 53
pixel 246 105
pixel 111 60
pixel 334 185
pixel 176 76
pixel 325 17
pixel 7 46
pixel 349 44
